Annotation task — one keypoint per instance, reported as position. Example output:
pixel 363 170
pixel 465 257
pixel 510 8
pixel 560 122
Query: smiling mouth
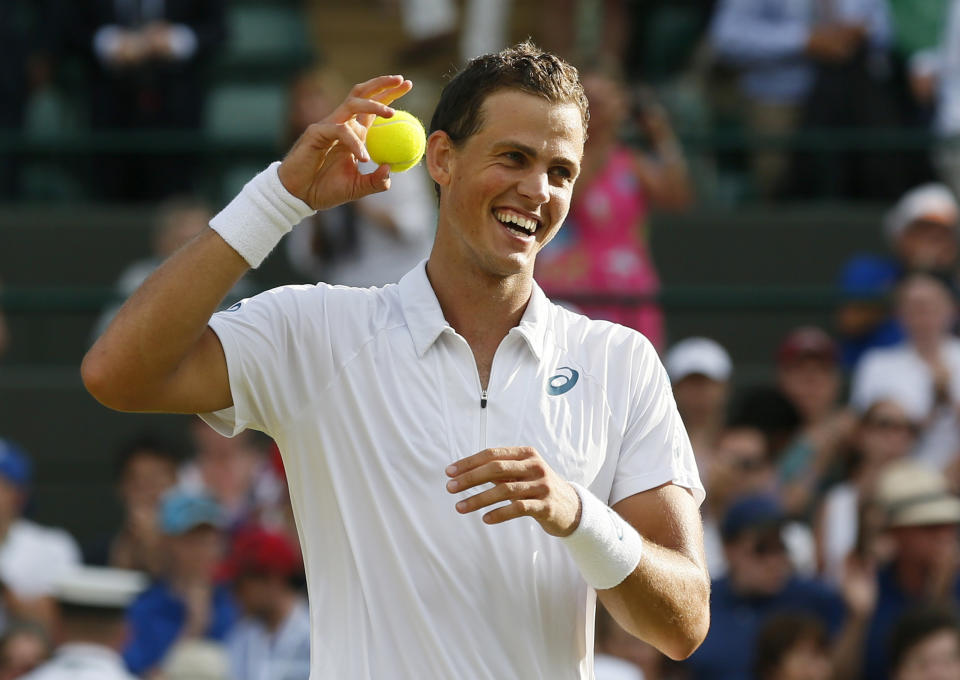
pixel 522 226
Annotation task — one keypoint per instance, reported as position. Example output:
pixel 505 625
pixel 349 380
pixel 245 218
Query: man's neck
pixel 479 306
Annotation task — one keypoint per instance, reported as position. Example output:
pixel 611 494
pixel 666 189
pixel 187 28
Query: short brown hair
pixel 523 67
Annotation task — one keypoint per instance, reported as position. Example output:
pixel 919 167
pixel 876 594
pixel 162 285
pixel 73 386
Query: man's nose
pixel 536 186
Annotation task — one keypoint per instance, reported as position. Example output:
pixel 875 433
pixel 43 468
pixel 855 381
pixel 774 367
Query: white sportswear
pixel 370 394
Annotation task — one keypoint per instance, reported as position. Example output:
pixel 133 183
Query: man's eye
pixel 514 156
pixel 563 173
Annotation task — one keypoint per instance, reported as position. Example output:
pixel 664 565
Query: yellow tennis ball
pixel 398 141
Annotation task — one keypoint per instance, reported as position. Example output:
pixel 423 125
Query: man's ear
pixel 440 152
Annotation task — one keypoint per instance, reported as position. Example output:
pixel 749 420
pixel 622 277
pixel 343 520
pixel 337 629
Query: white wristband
pixel 604 545
pixel 258 217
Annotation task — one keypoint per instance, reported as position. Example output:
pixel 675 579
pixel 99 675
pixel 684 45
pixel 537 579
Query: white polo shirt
pixel 370 394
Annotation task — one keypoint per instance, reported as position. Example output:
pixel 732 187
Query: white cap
pixel 701 356
pixel 933 201
pixel 100 587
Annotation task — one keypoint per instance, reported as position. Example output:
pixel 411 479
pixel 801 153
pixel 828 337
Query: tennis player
pixel 469 464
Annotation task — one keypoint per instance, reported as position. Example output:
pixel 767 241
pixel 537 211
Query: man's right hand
pixel 321 168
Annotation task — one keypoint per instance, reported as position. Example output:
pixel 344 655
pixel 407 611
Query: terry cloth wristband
pixel 258 217
pixel 604 545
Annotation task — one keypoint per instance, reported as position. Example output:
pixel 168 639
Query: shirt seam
pixel 342 367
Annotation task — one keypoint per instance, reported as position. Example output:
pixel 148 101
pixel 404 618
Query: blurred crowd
pixel 773 74
pixel 832 512
pixel 211 536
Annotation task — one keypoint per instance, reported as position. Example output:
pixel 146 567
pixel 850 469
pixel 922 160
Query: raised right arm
pixel 158 353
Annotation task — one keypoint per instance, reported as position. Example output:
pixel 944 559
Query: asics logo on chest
pixel 563 381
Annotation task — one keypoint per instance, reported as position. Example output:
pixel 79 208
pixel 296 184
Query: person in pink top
pixel 603 248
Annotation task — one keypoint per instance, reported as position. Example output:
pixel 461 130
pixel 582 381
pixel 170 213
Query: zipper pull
pixel 483 399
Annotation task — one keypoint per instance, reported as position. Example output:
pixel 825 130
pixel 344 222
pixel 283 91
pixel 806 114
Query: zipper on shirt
pixel 483 420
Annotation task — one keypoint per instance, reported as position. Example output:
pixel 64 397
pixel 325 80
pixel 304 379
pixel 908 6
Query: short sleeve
pixel 273 353
pixel 656 449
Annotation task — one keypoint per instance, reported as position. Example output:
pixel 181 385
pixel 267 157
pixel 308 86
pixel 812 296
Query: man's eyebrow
pixel 530 151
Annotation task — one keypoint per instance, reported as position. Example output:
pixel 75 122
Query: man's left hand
pixel 523 479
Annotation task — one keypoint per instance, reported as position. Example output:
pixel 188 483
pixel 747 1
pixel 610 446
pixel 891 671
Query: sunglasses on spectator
pixel 892 424
pixel 749 464
pixel 769 544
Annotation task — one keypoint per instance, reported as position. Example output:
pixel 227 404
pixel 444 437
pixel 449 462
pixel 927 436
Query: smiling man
pixel 468 462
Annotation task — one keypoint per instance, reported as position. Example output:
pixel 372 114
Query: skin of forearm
pixel 664 601
pixel 155 329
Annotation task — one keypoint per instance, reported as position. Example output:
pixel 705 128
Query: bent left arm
pixel 665 600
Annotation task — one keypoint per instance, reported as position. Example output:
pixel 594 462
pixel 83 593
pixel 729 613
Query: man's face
pixel 699 397
pixel 741 464
pixel 521 164
pixel 929 243
pixel 256 594
pixel 197 553
pixel 926 309
pixel 937 657
pixel 885 434
pixel 806 660
pixel 758 562
pixel 145 479
pixel 812 385
pixel 928 547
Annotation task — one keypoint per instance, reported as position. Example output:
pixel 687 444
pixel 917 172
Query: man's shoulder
pixel 572 329
pixel 334 307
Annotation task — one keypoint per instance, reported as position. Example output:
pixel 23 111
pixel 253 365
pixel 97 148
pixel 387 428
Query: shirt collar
pixel 533 323
pixel 421 309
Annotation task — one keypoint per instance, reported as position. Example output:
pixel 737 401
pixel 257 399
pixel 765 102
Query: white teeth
pixel 526 224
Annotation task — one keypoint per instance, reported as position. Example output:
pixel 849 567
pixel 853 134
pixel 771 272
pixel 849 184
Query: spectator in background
pixel 922 231
pixel 370 242
pixel 922 520
pixel 178 220
pixel 92 626
pixel 145 469
pixel 699 370
pixel 743 467
pixel 864 319
pixel 619 655
pixel 808 374
pixel 235 472
pixel 922 373
pixel 188 603
pixel 854 88
pixel 148 59
pixel 759 584
pixel 32 557
pixel 793 647
pixel 777 47
pixel 947 117
pixel 884 434
pixel 24 646
pixel 29 33
pixel 603 248
pixel 925 645
pixel 272 640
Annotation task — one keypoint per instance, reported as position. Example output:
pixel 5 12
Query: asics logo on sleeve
pixel 561 382
pixel 234 307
